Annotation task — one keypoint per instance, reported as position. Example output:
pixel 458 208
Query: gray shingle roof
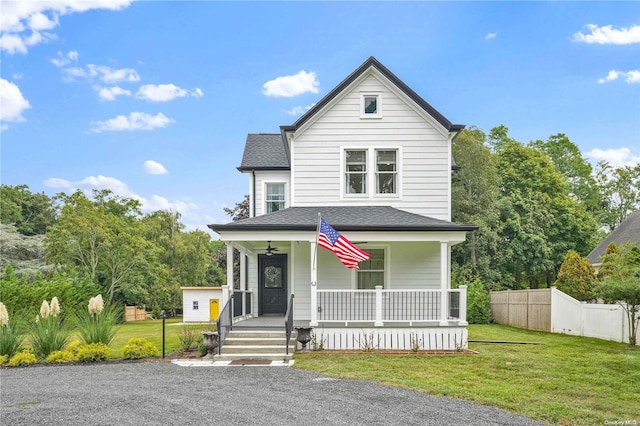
pixel 353 218
pixel 628 230
pixel 265 151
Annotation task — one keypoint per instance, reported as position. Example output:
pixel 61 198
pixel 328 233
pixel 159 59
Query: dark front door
pixel 272 282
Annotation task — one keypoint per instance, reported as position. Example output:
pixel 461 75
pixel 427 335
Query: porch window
pixel 356 171
pixel 386 171
pixel 371 273
pixel 274 197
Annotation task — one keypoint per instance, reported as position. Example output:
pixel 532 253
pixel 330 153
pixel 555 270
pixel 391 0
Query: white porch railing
pixel 382 306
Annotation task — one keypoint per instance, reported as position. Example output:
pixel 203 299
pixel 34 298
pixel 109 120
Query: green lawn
pixel 568 380
pixel 152 330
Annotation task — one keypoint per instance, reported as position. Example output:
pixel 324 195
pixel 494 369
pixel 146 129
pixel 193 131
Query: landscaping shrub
pixel 576 277
pixel 137 348
pixel 478 310
pixel 50 333
pixel 10 335
pixel 187 337
pixel 61 357
pixel 3 359
pixel 73 347
pixel 93 352
pixel 97 323
pixel 22 358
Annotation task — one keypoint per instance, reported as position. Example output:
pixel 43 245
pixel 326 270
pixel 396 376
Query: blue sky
pixel 154 99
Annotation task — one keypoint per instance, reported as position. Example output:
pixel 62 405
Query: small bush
pixel 478 310
pixel 93 352
pixel 73 347
pixel 61 357
pixel 201 349
pixel 137 348
pixel 3 359
pixel 22 358
pixel 188 337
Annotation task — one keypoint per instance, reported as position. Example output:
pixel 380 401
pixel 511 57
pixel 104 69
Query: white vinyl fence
pixel 569 316
pixel 563 314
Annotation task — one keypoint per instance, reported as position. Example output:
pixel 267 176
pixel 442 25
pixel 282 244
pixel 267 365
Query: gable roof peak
pixel 372 62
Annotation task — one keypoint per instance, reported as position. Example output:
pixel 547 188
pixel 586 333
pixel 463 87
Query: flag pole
pixel 314 279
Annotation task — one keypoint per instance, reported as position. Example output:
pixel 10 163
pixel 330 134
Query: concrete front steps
pixel 257 345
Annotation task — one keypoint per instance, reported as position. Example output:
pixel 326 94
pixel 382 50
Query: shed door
pixel 272 284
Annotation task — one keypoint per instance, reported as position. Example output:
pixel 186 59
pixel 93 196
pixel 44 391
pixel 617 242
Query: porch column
pixel 462 320
pixel 243 282
pixel 230 266
pixel 444 283
pixel 314 285
pixel 378 322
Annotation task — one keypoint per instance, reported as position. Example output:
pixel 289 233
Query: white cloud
pixel 102 72
pixel 299 110
pixel 629 76
pixel 22 22
pixel 165 92
pixel 608 35
pixel 616 157
pixel 134 121
pixel 90 183
pixel 490 36
pixel 111 93
pixel 62 60
pixel 291 85
pixel 12 103
pixel 154 168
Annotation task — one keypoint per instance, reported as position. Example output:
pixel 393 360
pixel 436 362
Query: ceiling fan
pixel 269 250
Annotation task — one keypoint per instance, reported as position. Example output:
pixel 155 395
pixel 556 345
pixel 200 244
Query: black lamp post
pixel 163 315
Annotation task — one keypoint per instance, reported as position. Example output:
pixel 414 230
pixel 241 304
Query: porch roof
pixel 351 218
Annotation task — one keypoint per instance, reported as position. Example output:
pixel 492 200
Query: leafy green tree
pixel 620 189
pixel 622 285
pixel 612 253
pixel 478 309
pixel 32 213
pixel 475 191
pixel 576 277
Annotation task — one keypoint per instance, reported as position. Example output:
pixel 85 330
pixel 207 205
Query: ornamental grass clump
pixel 50 333
pixel 97 323
pixel 10 333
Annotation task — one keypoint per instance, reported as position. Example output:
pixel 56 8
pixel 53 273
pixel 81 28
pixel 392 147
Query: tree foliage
pixel 622 285
pixel 31 213
pixel 576 277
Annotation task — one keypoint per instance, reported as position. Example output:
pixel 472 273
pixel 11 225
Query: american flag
pixel 348 254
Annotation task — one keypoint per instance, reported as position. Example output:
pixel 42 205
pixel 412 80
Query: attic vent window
pixel 371 106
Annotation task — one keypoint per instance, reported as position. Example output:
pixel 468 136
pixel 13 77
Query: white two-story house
pixel 374 160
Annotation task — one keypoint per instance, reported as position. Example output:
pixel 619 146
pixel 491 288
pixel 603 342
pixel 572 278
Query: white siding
pixel 264 177
pixel 202 296
pixel 422 143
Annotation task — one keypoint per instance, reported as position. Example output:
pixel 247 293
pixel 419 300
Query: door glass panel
pixel 273 277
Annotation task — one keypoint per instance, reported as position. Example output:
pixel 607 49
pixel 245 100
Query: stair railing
pixel 225 322
pixel 288 322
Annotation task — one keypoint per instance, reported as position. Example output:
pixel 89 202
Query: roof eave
pixel 400 228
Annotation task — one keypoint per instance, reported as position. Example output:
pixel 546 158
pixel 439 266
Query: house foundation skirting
pixel 375 338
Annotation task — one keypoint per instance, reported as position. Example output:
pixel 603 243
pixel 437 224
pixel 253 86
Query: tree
pixel 32 213
pixel 475 190
pixel 620 188
pixel 576 277
pixel 622 285
pixel 240 210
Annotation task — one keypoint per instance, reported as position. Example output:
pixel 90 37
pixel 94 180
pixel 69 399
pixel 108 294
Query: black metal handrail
pixel 225 322
pixel 288 322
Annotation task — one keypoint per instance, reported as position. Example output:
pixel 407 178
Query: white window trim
pixel 378 113
pixel 387 265
pixel 264 194
pixel 371 173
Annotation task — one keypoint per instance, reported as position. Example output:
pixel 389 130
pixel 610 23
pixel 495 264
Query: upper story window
pixel 356 171
pixel 386 171
pixel 371 272
pixel 371 168
pixel 371 106
pixel 274 197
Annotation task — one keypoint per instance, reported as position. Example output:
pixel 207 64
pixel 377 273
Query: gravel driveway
pixel 167 394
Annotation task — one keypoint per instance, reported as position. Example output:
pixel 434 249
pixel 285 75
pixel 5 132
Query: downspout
pixel 253 190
